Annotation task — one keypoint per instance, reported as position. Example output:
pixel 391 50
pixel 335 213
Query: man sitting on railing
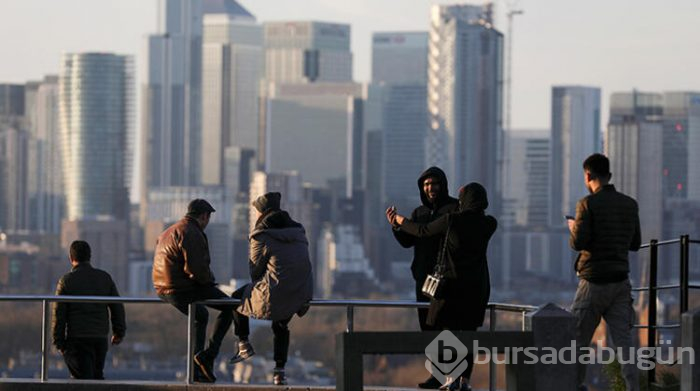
pixel 181 276
pixel 80 330
pixel 606 227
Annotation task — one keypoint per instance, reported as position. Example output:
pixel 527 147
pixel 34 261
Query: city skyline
pixel 554 43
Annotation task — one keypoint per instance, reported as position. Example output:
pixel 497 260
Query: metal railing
pixel 653 288
pixel 350 306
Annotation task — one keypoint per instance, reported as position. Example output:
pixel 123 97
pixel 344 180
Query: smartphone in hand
pixel 569 217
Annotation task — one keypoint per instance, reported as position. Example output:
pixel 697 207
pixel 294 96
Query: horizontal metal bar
pixel 81 299
pixel 658 288
pixel 693 286
pixel 315 303
pixel 694 241
pixel 661 243
pixel 663 326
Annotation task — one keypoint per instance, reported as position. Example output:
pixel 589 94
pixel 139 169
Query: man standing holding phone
pixel 605 228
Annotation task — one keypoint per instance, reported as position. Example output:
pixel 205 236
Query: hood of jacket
pixel 287 235
pixel 472 197
pixel 443 196
pixel 275 218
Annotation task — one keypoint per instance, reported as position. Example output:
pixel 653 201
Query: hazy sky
pixel 613 44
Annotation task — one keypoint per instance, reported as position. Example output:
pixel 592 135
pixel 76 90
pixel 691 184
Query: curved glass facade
pixel 95 91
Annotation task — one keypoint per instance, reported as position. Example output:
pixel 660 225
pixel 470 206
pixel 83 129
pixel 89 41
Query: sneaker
pixel 431 383
pixel 245 350
pixel 449 383
pixel 278 377
pixel 205 363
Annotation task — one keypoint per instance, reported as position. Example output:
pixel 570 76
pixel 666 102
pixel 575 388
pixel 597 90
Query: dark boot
pixel 205 363
pixel 431 383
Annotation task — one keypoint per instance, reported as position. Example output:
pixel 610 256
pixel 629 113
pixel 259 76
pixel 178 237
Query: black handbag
pixel 434 284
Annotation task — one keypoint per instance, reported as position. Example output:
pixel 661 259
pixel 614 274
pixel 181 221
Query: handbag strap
pixel 440 265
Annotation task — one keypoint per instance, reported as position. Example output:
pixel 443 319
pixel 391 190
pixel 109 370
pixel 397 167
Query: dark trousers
pixel 85 357
pixel 467 374
pixel 181 301
pixel 280 330
pixel 422 312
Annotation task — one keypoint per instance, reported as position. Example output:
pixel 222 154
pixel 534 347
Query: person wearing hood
pixel 282 282
pixel 436 202
pixel 462 305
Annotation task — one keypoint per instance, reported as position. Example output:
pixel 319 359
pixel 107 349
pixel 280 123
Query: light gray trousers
pixel 612 302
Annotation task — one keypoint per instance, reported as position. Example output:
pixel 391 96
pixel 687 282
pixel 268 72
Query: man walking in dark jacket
pixel 181 276
pixel 606 227
pixel 80 330
pixel 432 185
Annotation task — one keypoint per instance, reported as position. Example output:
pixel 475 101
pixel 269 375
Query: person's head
pixel 432 187
pixel 432 184
pixel 201 211
pixel 79 252
pixel 267 202
pixel 473 197
pixel 596 171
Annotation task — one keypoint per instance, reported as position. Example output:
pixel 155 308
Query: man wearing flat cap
pixel 181 275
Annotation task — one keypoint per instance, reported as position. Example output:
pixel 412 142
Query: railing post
pixel 350 315
pixel 492 363
pixel 685 255
pixel 651 316
pixel 190 343
pixel 45 310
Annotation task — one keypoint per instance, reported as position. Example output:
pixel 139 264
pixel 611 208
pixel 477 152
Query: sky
pixel 615 45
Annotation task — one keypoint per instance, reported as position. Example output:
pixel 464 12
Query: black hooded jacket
pixel 425 249
pixel 468 287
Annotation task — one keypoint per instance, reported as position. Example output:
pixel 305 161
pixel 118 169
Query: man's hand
pixel 391 215
pixel 571 224
pixel 116 340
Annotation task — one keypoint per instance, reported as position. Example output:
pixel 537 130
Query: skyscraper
pixel 95 97
pixel 694 145
pixel 299 52
pixel 11 101
pixel 323 123
pixel 171 99
pixel 575 136
pixel 14 205
pixel 45 176
pixel 634 144
pixel 232 64
pixel 526 188
pixel 400 69
pixel 681 126
pixel 465 90
pixel 13 158
pixel 400 57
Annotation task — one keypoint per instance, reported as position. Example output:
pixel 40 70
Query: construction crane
pixel 512 11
